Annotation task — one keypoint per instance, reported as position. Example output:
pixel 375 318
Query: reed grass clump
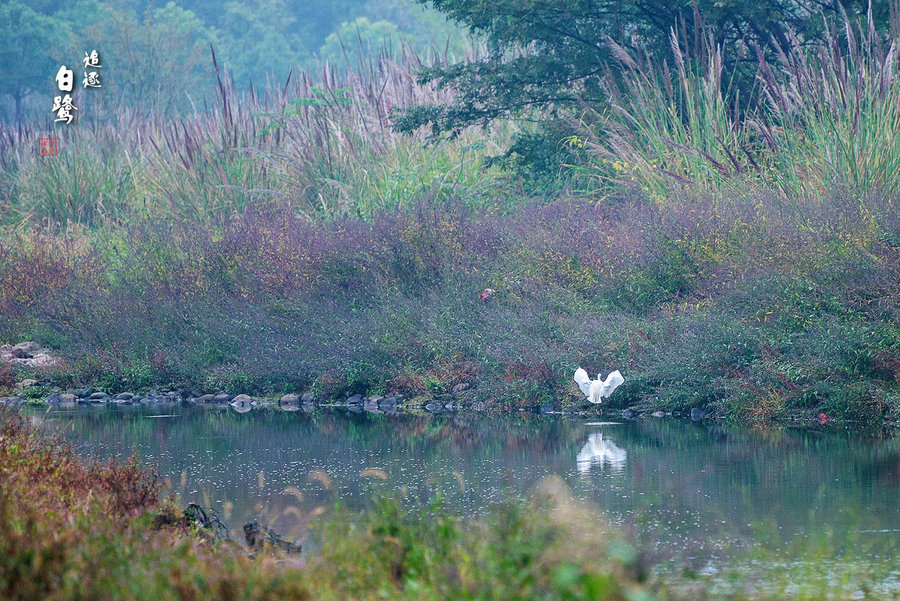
pixel 667 126
pixel 821 119
pixel 831 114
pixel 321 143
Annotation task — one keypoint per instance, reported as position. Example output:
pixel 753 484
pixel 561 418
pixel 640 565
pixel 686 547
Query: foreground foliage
pixel 75 530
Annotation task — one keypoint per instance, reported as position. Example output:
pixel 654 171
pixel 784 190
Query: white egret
pixel 597 390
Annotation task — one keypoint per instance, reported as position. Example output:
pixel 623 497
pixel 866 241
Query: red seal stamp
pixel 47 147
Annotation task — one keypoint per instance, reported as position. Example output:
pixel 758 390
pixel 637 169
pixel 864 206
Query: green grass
pixel 822 119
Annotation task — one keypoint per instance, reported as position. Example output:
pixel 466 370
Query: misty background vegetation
pixel 156 55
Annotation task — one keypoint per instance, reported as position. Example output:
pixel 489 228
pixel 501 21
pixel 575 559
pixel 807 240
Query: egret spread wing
pixel 584 382
pixel 613 381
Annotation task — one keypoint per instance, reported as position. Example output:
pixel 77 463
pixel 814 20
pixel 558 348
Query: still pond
pixel 728 507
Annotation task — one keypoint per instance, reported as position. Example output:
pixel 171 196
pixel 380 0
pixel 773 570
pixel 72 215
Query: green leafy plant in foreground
pixel 549 550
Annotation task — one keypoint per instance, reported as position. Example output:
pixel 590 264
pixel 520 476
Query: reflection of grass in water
pixel 290 512
pixel 827 564
pixel 818 574
pixel 792 525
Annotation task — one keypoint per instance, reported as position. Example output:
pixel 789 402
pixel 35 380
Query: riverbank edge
pixel 462 402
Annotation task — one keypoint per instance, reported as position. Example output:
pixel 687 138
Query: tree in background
pixel 154 61
pixel 31 52
pixel 427 30
pixel 156 54
pixel 553 54
pixel 356 40
pixel 259 40
pixel 394 25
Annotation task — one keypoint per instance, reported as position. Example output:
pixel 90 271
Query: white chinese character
pixel 92 59
pixel 92 80
pixel 65 79
pixel 63 108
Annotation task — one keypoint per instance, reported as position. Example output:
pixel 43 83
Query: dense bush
pixel 695 309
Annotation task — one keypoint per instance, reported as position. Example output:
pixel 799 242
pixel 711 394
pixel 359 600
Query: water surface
pixel 695 495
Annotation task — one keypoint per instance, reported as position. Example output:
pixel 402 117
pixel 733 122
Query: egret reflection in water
pixel 600 451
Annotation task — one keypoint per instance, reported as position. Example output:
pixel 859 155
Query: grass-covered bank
pixel 77 530
pixel 290 240
pixel 743 304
